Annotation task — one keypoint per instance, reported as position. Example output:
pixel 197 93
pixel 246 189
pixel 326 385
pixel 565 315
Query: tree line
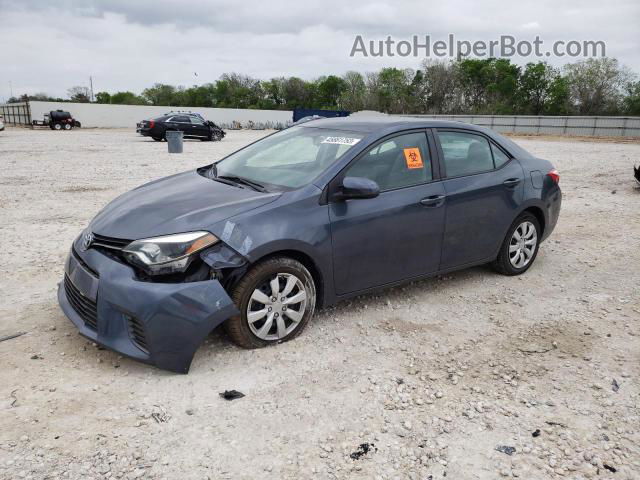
pixel 469 86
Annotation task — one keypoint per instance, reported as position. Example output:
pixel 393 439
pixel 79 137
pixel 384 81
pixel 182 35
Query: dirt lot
pixel 436 376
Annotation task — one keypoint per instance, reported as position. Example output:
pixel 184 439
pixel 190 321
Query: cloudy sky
pixel 130 44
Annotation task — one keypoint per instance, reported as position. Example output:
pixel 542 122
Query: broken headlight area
pixel 227 266
pixel 168 254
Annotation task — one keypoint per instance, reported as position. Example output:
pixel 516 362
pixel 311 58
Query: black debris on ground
pixel 610 468
pixel 536 433
pixel 362 450
pixel 231 394
pixel 615 386
pixel 36 357
pixel 506 449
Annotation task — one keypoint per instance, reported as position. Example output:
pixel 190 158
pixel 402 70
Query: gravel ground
pixel 470 376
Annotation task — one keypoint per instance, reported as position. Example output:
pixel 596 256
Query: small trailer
pixel 57 120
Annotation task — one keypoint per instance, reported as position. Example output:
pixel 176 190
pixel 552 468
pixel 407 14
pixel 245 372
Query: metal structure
pixel 299 113
pixel 16 114
pixel 548 125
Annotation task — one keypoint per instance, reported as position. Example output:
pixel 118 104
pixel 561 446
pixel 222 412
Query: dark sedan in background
pixel 302 219
pixel 192 124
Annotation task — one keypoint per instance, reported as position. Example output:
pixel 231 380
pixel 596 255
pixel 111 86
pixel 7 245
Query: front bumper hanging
pixel 161 324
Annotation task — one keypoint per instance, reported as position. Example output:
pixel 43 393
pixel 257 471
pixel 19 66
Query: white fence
pixel 547 125
pixel 126 116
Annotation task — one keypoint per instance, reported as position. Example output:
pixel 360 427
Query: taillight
pixel 152 124
pixel 555 176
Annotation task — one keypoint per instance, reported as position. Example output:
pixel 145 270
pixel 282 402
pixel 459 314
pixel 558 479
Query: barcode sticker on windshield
pixel 341 140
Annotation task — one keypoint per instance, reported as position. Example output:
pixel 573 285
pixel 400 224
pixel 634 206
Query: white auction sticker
pixel 341 140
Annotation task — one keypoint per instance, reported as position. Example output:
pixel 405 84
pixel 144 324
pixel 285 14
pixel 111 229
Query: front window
pixel 290 158
pixel 400 162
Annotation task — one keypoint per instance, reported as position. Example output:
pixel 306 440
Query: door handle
pixel 433 201
pixel 511 182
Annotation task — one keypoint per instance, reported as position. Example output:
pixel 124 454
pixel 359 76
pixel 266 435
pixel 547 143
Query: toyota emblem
pixel 87 240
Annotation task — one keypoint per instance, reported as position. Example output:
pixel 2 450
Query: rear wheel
pixel 157 139
pixel 57 126
pixel 276 299
pixel 520 247
pixel 67 126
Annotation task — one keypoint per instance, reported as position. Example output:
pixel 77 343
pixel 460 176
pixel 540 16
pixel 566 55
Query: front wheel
pixel 520 247
pixel 57 126
pixel 276 299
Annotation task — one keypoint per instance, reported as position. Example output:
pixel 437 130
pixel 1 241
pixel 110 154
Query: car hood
pixel 184 202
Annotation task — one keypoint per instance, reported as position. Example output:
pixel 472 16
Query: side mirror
pixel 358 187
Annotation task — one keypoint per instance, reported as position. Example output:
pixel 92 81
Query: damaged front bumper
pixel 162 324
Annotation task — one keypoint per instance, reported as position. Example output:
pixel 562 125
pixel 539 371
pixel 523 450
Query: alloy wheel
pixel 276 307
pixel 523 244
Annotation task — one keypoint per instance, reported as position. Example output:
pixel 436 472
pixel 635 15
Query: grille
pixel 83 263
pixel 100 241
pixel 136 330
pixel 85 307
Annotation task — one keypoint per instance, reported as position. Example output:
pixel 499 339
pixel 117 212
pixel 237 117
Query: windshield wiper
pixel 244 181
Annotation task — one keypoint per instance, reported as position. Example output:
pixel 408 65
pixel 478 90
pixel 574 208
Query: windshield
pixel 290 158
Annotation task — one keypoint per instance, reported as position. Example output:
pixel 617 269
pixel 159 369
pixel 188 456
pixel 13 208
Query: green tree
pixel 79 94
pixel 596 85
pixel 535 84
pixel 632 99
pixel 234 90
pixel 197 96
pixel 442 91
pixel 298 93
pixel 329 91
pixel 489 86
pixel 274 95
pixel 393 90
pixel 126 98
pixel 354 92
pixel 557 102
pixel 103 97
pixel 160 94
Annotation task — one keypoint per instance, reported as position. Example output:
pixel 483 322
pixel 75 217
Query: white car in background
pixel 1 123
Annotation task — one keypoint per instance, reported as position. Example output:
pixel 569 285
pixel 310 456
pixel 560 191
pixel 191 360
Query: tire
pixel 283 327
pixel 509 261
pixel 157 139
pixel 57 126
pixel 67 126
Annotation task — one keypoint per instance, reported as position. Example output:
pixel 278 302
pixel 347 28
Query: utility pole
pixel 91 84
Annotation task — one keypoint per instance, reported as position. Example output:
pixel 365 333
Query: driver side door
pixel 398 234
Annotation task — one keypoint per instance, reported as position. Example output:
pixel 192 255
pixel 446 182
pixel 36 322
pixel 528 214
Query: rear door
pixel 398 234
pixel 484 188
pixel 180 122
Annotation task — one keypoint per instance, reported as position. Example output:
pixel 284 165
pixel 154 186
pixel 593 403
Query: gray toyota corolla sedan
pixel 299 220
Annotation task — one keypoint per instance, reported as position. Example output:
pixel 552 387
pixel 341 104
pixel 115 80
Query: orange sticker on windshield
pixel 413 158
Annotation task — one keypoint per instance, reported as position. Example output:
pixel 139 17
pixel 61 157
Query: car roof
pixel 382 123
pixel 374 123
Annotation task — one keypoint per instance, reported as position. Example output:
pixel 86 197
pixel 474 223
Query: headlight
pixel 169 254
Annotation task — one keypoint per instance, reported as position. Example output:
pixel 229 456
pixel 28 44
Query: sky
pixel 131 44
